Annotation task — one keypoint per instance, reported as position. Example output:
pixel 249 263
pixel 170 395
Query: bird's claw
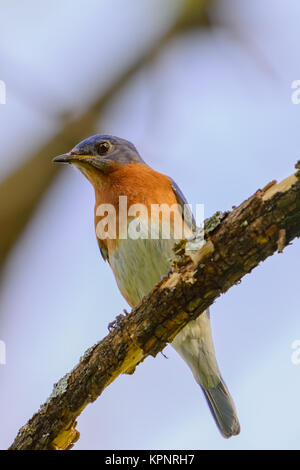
pixel 165 276
pixel 116 323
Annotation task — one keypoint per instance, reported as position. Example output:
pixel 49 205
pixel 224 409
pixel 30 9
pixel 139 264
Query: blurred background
pixel 203 89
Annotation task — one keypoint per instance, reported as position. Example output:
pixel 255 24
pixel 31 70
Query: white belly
pixel 139 264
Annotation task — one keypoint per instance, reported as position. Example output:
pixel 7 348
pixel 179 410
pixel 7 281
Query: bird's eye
pixel 103 148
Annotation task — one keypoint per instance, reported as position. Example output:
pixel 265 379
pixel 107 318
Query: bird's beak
pixel 83 161
pixel 66 158
pixel 76 159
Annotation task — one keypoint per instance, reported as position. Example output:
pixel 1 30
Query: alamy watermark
pixel 295 356
pixel 2 92
pixel 2 353
pixel 154 221
pixel 295 97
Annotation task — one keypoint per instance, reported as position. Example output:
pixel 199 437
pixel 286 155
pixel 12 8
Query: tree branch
pixel 236 242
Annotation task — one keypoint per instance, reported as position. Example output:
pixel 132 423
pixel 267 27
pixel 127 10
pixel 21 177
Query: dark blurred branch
pixel 21 192
pixel 236 243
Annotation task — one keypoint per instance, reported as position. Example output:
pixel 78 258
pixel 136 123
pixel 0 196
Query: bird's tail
pixel 222 408
pixel 195 345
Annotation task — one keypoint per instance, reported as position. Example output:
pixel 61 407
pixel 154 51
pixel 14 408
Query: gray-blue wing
pixel 103 251
pixel 181 199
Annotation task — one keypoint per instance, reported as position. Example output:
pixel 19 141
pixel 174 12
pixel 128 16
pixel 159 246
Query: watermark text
pixel 295 97
pixel 2 353
pixel 2 92
pixel 154 221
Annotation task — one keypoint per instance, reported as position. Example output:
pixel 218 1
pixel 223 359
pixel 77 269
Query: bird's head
pixel 100 155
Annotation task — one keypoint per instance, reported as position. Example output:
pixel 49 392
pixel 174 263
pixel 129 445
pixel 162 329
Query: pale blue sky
pixel 214 112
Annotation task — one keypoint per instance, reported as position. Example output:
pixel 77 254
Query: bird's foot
pixel 116 323
pixel 165 276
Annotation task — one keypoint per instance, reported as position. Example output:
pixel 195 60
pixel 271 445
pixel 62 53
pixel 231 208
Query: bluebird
pixel 115 168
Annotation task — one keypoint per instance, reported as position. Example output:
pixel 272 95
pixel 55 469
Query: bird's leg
pixel 165 276
pixel 116 323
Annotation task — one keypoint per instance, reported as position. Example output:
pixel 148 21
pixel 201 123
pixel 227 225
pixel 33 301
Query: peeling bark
pixel 236 242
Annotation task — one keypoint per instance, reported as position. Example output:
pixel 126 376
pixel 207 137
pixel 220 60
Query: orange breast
pixel 140 183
